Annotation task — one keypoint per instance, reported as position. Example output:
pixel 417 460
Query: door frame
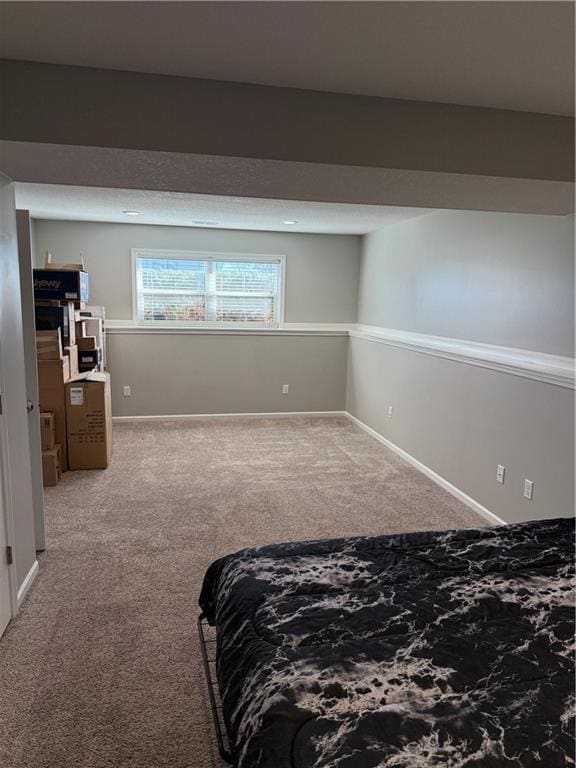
pixel 26 267
pixel 7 519
pixel 7 504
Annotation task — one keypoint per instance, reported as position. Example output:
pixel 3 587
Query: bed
pixel 450 649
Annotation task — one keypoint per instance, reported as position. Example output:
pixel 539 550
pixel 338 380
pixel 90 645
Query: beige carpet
pixel 102 668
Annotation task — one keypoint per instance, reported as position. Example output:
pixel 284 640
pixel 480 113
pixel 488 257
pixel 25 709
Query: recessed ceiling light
pixel 131 213
pixel 289 222
pixel 206 223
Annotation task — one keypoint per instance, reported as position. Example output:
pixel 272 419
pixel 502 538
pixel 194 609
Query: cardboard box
pixel 94 311
pixel 89 421
pixel 47 431
pixel 86 343
pixel 51 467
pixel 48 345
pixel 57 316
pixel 49 264
pixel 52 376
pixel 61 284
pixel 72 354
pixel 93 327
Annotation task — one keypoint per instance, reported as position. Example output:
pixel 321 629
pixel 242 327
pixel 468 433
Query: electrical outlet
pixel 390 411
pixel 285 389
pixel 500 473
pixel 126 391
pixel 528 489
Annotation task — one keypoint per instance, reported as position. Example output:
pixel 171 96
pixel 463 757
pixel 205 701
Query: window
pixel 208 290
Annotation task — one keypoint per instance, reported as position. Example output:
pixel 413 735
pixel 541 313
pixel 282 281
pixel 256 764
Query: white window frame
pixel 153 253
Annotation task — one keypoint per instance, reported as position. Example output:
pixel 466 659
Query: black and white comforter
pixel 450 649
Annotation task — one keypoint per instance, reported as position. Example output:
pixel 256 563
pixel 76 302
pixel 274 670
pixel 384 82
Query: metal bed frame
pixel 208 649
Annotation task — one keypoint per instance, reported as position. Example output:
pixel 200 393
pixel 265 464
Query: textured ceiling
pixel 509 55
pixel 47 201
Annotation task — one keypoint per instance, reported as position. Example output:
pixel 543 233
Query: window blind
pixel 208 291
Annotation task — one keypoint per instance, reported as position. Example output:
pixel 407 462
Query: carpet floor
pixel 102 668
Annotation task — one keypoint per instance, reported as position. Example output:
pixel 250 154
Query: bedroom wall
pixel 179 373
pixel 500 279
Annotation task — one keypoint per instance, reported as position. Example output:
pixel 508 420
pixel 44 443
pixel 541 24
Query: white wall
pixel 503 279
pixel 194 373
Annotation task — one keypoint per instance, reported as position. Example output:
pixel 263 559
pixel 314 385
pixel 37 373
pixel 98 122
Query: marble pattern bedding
pixel 450 649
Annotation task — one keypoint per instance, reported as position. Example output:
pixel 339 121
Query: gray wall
pixel 321 270
pixel 180 374
pixel 500 278
pixel 496 278
pixel 190 373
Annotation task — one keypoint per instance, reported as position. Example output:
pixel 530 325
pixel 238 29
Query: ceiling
pixel 181 209
pixel 508 55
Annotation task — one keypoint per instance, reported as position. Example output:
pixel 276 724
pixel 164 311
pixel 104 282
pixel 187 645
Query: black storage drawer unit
pixel 50 318
pixel 89 358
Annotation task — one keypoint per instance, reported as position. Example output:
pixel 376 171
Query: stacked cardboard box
pixel 47 431
pixel 91 339
pixel 51 452
pixel 74 390
pixel 59 291
pixel 53 373
pixel 61 282
pixel 51 467
pixel 49 345
pixel 54 316
pixel 89 419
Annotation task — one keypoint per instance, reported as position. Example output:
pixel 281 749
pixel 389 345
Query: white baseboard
pixel 442 482
pixel 216 416
pixel 26 584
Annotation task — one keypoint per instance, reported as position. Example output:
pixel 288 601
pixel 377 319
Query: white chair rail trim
pixel 539 366
pixel 287 329
pixel 550 369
